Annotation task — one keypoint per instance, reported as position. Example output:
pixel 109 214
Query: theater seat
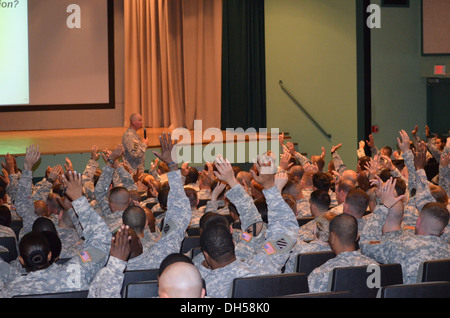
pixel 135 276
pixel 307 262
pixel 72 294
pixel 269 286
pixel 434 270
pixel 356 279
pixel 142 290
pixel 419 290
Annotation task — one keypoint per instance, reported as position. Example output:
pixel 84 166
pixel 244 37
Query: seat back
pixel 71 294
pixel 16 225
pixel 5 256
pixel 341 294
pixel 361 281
pixel 303 220
pixel 434 270
pixel 307 262
pixel 202 202
pixel 193 231
pixel 419 290
pixel 269 285
pixel 142 290
pixel 10 244
pixel 189 243
pixel 136 276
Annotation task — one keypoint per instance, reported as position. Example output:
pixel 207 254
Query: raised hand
pixel 73 185
pixel 387 196
pixel 420 155
pixel 404 141
pixel 55 172
pixel 120 244
pixel 281 178
pixel 167 154
pixel 334 148
pixel 371 141
pixel 445 159
pixel 32 156
pixel 267 180
pixel 94 153
pixel 9 164
pixel 225 171
pixel 217 191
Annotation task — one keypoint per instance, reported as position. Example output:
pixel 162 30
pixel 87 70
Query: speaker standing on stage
pixel 134 155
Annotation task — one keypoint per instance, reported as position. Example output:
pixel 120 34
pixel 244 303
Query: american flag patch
pixel 269 248
pixel 246 237
pixel 85 257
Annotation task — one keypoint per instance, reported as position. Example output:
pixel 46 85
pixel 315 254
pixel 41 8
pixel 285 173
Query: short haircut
pixel 292 187
pixel 297 171
pixel 387 150
pixel 291 202
pixel 5 216
pixel 210 218
pixel 385 175
pixel 119 195
pixel 345 227
pixel 135 218
pixel 436 211
pixel 192 195
pixel 217 241
pixel 192 176
pixel 358 201
pixel 400 186
pixel 171 259
pixel 439 194
pixel 345 186
pixel 362 162
pixel 321 181
pixel 321 199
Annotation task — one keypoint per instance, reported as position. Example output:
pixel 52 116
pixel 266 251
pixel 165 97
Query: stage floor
pixel 68 141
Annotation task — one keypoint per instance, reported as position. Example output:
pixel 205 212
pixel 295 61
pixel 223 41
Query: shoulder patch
pixel 374 242
pixel 269 248
pixel 246 236
pixel 85 257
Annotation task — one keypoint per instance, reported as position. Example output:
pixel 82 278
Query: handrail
pixel 304 111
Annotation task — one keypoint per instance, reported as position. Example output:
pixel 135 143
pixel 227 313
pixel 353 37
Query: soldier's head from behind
pixel 432 220
pixel 356 203
pixel 217 245
pixel 135 218
pixel 41 208
pixel 343 233
pixel 181 280
pixel 319 202
pixel 119 199
pixel 212 218
pixel 34 251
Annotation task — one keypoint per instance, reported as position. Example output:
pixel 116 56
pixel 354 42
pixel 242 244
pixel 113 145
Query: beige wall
pixel 37 120
pixel 311 47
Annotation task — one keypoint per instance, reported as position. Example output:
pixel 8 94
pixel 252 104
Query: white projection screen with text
pixel 56 54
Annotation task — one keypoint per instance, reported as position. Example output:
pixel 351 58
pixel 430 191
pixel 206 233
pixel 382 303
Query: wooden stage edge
pixel 66 141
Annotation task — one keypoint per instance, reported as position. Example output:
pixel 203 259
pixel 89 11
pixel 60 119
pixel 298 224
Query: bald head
pixel 41 208
pixel 181 280
pixel 119 199
pixel 350 175
pixel 136 121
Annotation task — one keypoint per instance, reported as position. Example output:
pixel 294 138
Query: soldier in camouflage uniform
pixel 108 282
pixel 77 273
pixel 384 240
pixel 343 238
pixel 134 155
pixel 269 258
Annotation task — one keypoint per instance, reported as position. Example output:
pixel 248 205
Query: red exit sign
pixel 440 70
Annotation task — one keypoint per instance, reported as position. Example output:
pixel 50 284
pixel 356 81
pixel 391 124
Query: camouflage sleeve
pixel 360 153
pixel 444 174
pixel 108 281
pixel 133 148
pixel 88 179
pixel 372 230
pixel 23 203
pixel 248 213
pixel 179 212
pixel 102 189
pixel 408 157
pixel 339 165
pixel 281 234
pixel 212 206
pixel 374 151
pixel 95 230
pixel 431 144
pixel 301 158
pixel 11 188
pixel 423 194
pixel 126 178
pixel 41 190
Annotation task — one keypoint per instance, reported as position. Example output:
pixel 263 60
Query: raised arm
pixel 23 202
